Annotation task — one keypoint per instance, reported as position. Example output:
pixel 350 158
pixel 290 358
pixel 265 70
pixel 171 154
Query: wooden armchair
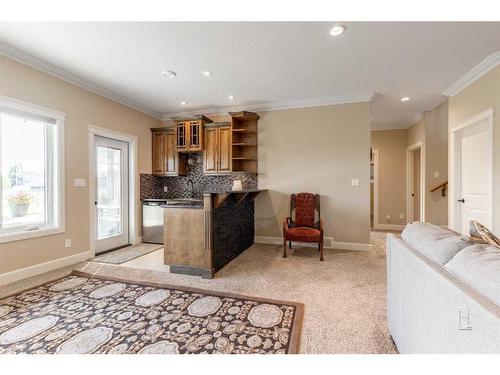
pixel 304 223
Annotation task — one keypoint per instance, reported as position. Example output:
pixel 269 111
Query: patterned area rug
pixel 128 253
pixel 81 313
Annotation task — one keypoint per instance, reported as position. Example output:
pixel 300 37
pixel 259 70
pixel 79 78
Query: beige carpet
pixel 344 297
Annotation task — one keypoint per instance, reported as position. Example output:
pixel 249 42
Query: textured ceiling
pixel 264 63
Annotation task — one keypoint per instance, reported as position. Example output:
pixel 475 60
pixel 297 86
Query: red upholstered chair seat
pixel 303 234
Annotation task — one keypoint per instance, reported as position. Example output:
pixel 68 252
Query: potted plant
pixel 19 203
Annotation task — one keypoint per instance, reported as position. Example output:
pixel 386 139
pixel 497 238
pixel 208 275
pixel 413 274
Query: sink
pixel 185 202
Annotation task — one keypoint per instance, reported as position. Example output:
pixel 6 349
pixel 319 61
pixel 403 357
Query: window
pixel 31 160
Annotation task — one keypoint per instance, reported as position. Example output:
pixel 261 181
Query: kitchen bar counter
pixel 202 242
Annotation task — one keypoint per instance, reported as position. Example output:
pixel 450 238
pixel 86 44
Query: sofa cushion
pixel 437 243
pixel 479 266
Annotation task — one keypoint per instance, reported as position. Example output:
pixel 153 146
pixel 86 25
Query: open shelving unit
pixel 244 141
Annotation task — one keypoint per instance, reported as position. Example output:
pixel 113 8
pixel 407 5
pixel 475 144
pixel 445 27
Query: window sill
pixel 18 236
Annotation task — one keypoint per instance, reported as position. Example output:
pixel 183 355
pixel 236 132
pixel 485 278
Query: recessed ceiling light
pixel 405 98
pixel 231 97
pixel 184 103
pixel 168 73
pixel 337 30
pixel 207 73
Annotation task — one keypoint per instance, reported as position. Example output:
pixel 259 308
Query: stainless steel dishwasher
pixel 152 220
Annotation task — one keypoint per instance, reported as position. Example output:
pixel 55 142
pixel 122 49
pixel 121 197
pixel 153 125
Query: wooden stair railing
pixel 443 187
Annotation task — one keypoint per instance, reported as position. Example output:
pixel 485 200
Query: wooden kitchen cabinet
pixel 225 149
pixel 166 159
pixel 217 156
pixel 189 133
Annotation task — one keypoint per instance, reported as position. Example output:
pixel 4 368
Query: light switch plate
pixel 79 182
pixel 401 216
pixel 436 174
pixel 165 189
pixel 355 182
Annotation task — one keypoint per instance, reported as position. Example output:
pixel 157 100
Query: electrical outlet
pixel 165 189
pixel 436 174
pixel 388 217
pixel 67 242
pixel 401 216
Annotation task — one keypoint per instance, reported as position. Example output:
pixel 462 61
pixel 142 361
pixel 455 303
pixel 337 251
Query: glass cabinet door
pixel 181 136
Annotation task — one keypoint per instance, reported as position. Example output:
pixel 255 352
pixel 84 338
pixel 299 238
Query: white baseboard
pixel 388 226
pixel 329 243
pixel 23 273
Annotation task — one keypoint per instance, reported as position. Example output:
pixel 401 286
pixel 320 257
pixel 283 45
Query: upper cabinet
pixel 217 156
pixel 189 133
pixel 244 137
pixel 166 159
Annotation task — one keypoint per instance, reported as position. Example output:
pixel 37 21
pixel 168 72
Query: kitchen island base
pixel 201 241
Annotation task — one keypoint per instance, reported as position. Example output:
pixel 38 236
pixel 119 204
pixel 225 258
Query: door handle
pixel 461 200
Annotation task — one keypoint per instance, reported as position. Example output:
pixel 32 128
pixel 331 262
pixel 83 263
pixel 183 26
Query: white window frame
pixel 59 187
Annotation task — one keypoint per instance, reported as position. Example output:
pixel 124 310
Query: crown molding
pixel 381 128
pixel 276 106
pixel 36 63
pixel 416 118
pixel 489 63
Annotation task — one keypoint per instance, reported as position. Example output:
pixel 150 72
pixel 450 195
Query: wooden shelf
pixel 243 131
pixel 242 144
pixel 244 141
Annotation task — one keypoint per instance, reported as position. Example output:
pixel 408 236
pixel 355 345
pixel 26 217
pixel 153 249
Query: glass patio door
pixel 111 201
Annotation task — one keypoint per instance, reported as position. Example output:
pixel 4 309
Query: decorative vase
pixel 19 209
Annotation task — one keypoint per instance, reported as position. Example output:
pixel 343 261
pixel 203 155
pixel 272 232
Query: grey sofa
pixel 435 308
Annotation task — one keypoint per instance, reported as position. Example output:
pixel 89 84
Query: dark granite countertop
pixel 233 191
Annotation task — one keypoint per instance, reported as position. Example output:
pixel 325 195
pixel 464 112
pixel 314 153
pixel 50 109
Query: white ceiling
pixel 263 63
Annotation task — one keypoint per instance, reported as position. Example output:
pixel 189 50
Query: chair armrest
pixel 286 224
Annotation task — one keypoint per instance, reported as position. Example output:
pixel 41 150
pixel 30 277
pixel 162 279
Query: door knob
pixel 461 200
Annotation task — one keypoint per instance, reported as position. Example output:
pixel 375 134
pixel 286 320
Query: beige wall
pixel 432 131
pixel 416 133
pixel 391 146
pixel 316 150
pixel 436 148
pixel 475 98
pixel 82 108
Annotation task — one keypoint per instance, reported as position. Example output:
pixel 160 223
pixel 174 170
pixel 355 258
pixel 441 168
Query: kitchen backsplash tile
pixel 152 187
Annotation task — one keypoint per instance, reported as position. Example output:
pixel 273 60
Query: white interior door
pixel 474 193
pixel 111 201
pixel 417 184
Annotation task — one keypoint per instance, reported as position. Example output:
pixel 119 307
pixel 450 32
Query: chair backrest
pixel 305 210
